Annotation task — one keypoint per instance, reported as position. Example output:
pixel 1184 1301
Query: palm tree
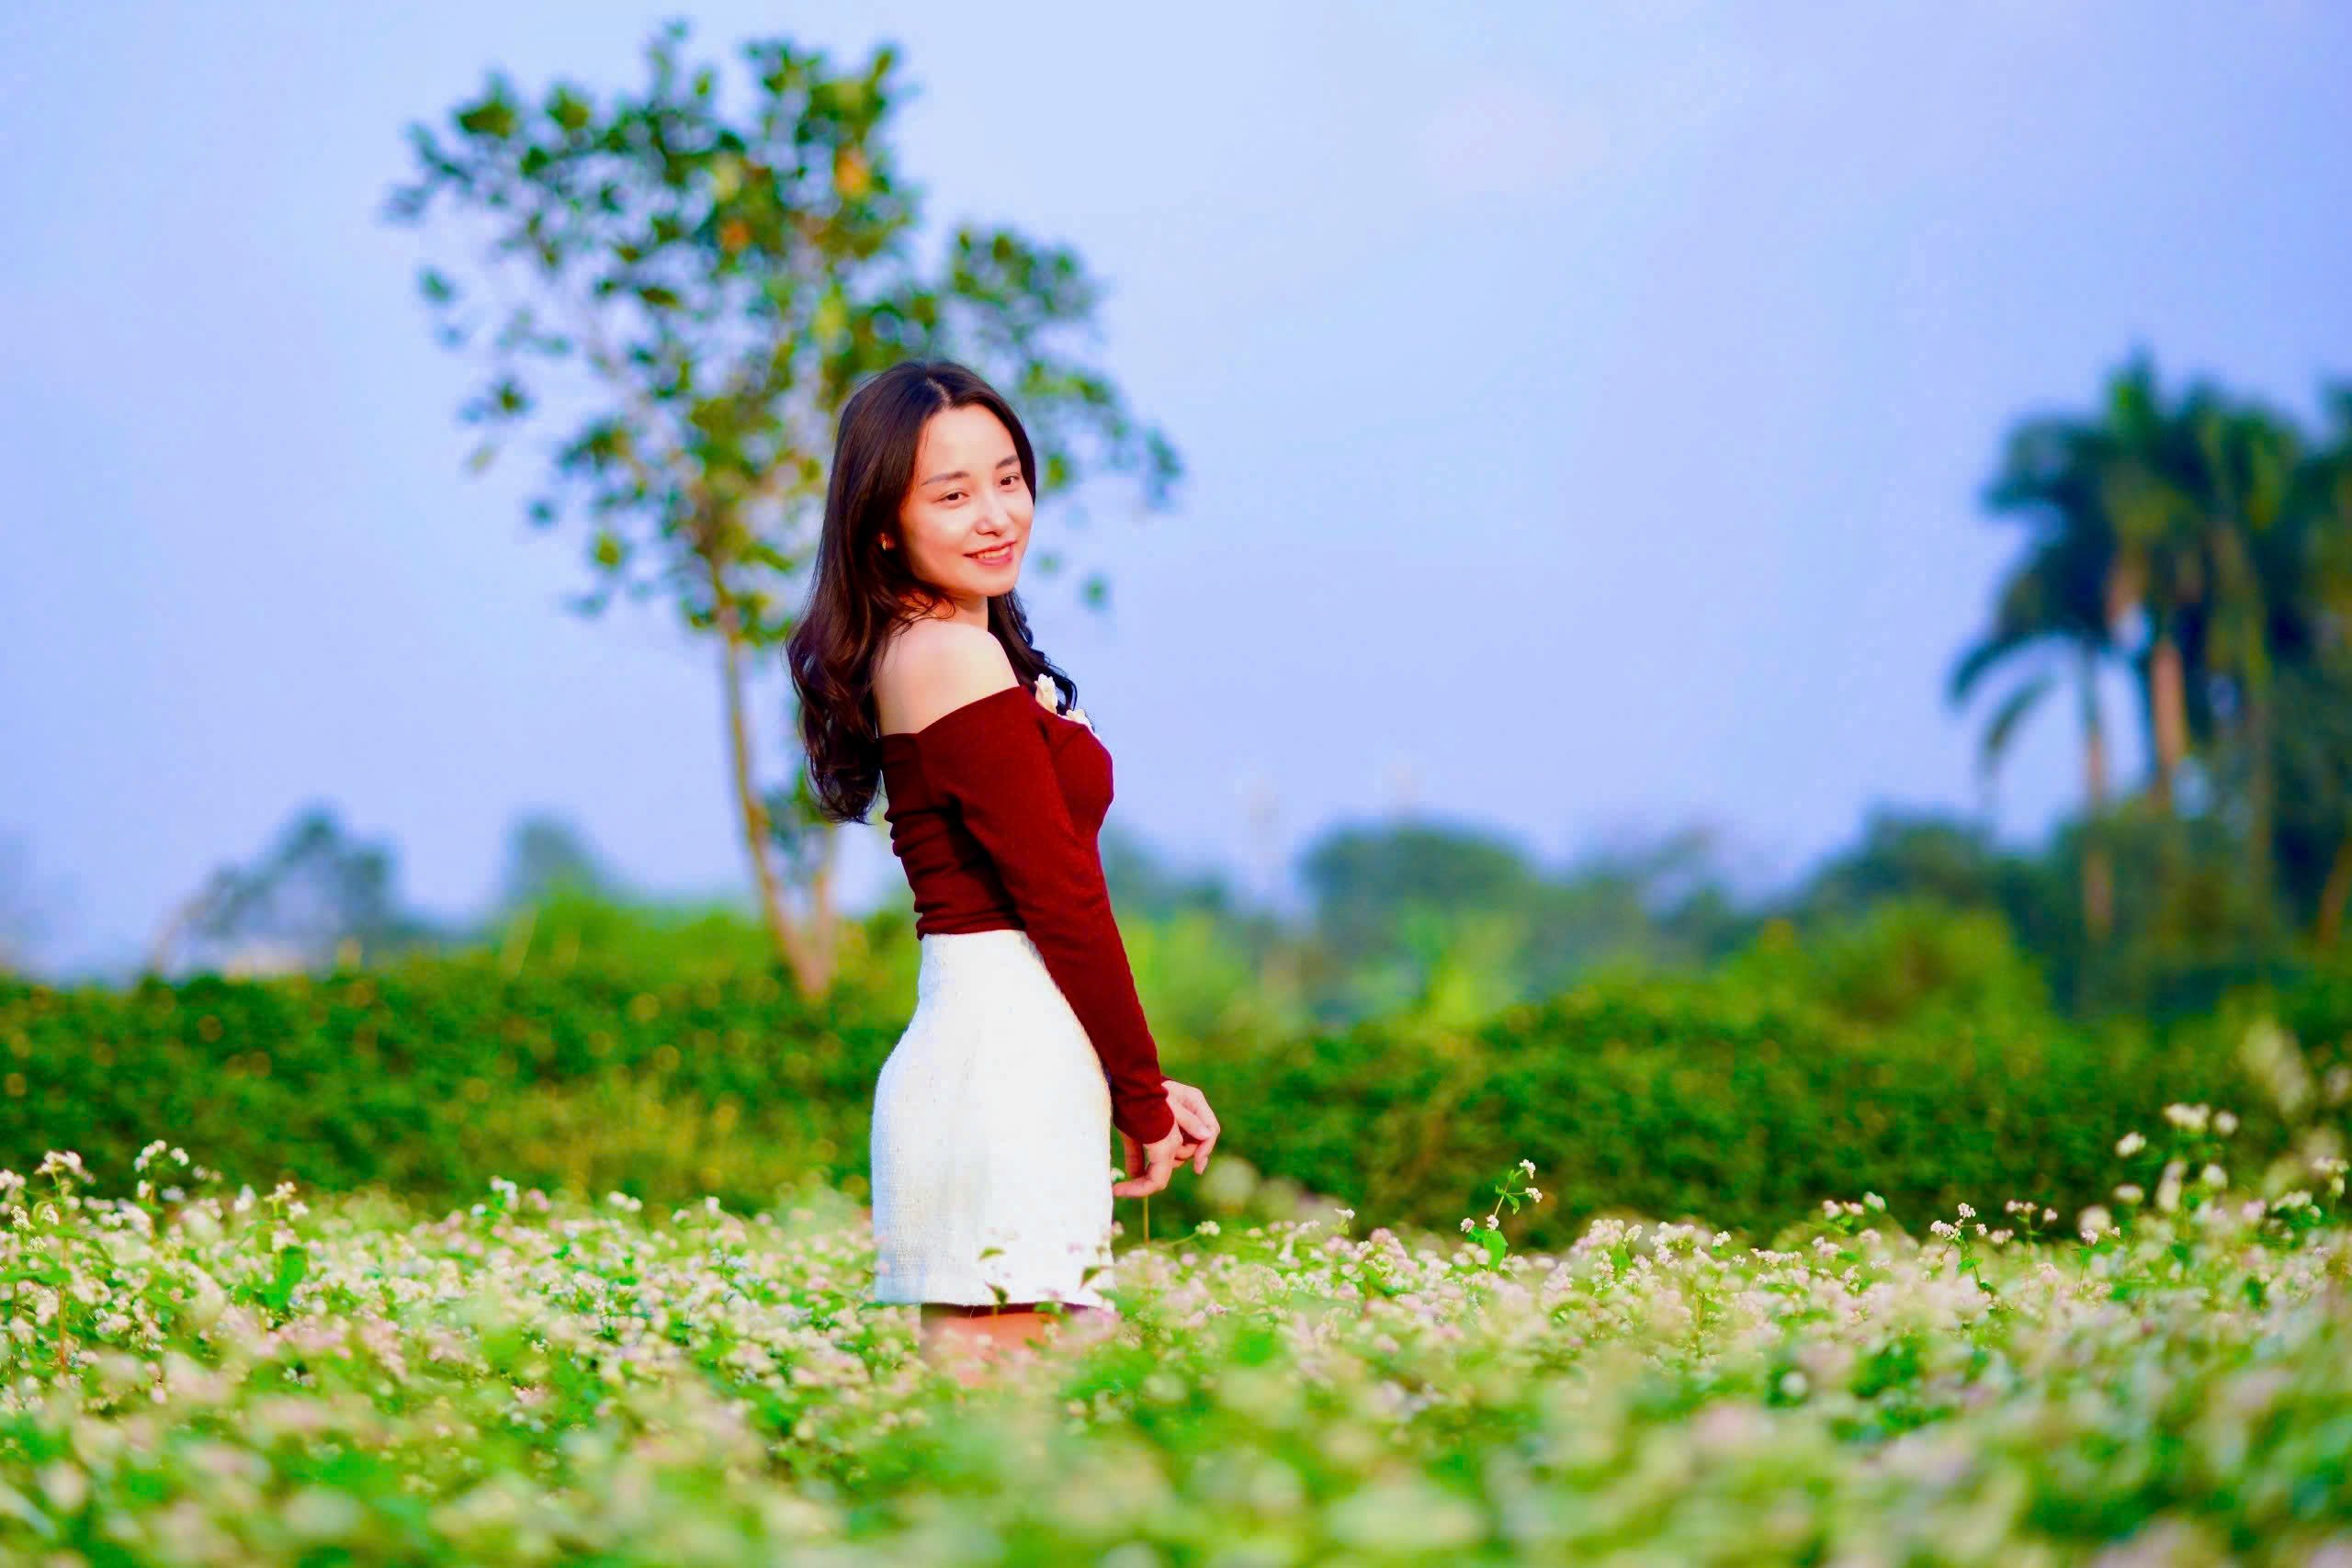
pixel 2250 461
pixel 2311 640
pixel 2233 534
pixel 2147 485
pixel 2204 487
pixel 2062 603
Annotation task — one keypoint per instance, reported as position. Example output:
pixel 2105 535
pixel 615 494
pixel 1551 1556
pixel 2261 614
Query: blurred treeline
pixel 2198 545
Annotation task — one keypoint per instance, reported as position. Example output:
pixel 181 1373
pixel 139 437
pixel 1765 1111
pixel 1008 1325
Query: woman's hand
pixel 1148 1165
pixel 1193 1114
pixel 1191 1136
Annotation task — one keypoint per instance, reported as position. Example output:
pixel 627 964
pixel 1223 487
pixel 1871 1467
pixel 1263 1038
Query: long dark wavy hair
pixel 859 591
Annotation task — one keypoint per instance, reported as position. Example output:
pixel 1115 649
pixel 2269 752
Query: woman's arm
pixel 990 756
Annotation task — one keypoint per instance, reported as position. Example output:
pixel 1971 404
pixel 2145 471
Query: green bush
pixel 436 1075
pixel 1911 1055
pixel 1907 961
pixel 1641 1097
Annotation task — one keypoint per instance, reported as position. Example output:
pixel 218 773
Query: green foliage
pixel 1209 998
pixel 697 284
pixel 431 1077
pixel 316 891
pixel 1649 1099
pixel 1909 1053
pixel 577 928
pixel 1452 922
pixel 1909 959
pixel 718 276
pixel 2199 540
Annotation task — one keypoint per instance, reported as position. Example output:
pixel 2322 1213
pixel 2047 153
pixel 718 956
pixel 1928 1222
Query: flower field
pixel 192 1376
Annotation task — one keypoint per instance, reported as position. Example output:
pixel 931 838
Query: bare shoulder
pixel 932 667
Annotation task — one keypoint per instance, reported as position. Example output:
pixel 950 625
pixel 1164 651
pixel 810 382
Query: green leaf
pixel 493 117
pixel 568 109
pixel 293 1263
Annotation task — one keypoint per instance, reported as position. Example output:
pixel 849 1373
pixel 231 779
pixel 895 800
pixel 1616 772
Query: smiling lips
pixel 996 556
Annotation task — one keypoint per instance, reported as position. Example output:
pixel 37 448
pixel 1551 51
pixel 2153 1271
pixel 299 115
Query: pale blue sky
pixel 1585 408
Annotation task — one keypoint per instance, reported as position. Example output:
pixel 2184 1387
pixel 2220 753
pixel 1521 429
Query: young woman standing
pixel 915 672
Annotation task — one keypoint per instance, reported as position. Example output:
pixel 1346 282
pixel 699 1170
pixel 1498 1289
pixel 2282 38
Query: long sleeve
pixel 991 760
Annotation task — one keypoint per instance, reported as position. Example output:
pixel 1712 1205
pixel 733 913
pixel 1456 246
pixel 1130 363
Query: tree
pixel 544 854
pixel 2208 481
pixel 316 897
pixel 2059 608
pixel 2223 527
pixel 2148 492
pixel 712 286
pixel 2307 561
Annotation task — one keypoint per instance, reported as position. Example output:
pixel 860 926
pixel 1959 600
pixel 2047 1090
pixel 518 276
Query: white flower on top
pixel 1049 697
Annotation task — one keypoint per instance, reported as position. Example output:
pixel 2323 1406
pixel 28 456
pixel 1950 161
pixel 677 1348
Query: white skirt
pixel 992 1136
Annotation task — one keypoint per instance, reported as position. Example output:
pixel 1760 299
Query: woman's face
pixel 968 499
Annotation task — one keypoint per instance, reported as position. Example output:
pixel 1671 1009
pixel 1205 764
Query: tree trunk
pixel 822 935
pixel 2168 711
pixel 167 937
pixel 2098 869
pixel 2248 618
pixel 2332 896
pixel 752 813
pixel 2261 808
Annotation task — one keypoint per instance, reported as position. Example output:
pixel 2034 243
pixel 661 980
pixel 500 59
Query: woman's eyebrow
pixel 964 474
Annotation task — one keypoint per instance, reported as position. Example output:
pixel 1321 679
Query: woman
pixel 915 672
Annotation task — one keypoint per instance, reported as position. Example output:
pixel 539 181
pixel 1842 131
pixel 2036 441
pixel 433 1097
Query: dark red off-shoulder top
pixel 994 808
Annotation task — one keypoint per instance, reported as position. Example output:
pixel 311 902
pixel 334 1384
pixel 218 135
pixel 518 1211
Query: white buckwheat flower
pixel 1050 696
pixel 2189 1118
